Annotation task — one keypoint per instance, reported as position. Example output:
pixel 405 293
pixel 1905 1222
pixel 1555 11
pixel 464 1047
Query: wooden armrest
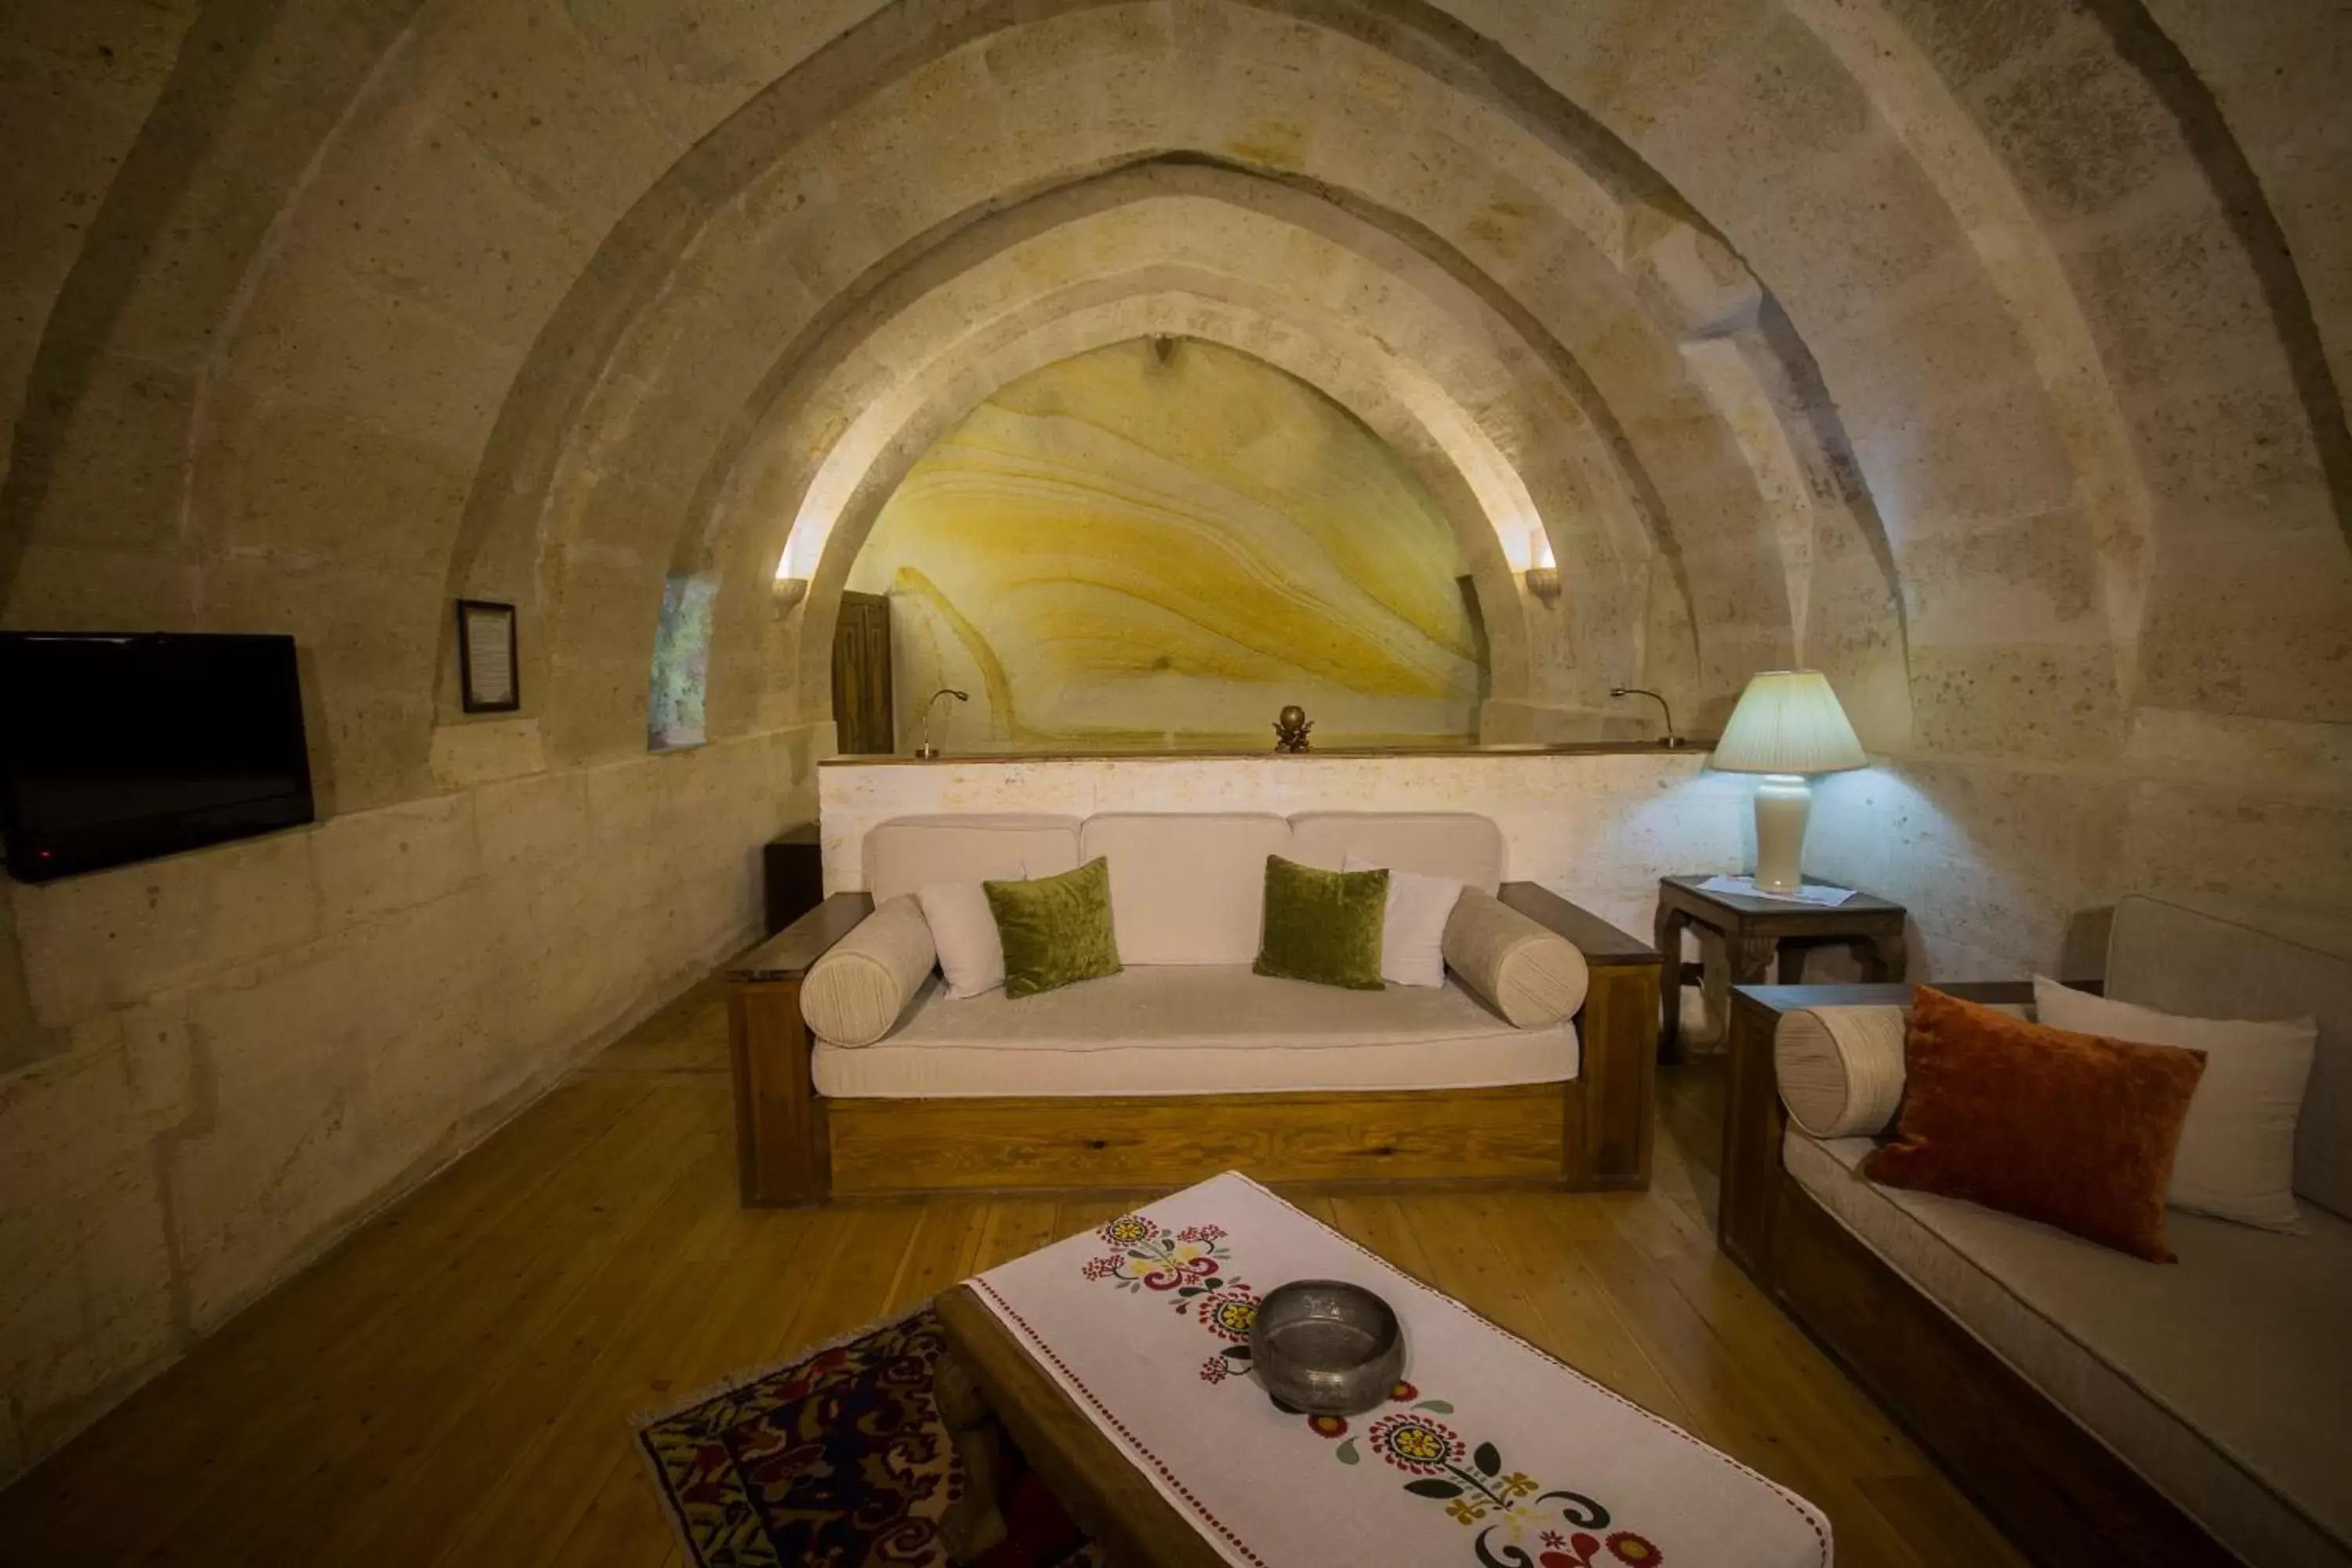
pixel 1753 1118
pixel 1600 942
pixel 788 954
pixel 782 1154
pixel 1617 1030
pixel 1778 999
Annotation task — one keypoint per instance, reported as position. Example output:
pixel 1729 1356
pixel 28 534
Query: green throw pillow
pixel 1323 926
pixel 1057 930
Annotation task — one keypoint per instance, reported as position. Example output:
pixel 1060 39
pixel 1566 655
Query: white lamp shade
pixel 1788 721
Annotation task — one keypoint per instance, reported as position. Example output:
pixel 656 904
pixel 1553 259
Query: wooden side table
pixel 1755 930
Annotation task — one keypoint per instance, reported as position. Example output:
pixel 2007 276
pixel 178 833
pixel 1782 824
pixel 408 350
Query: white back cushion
pixel 1458 845
pixel 908 853
pixel 963 929
pixel 1413 927
pixel 2180 960
pixel 1187 888
pixel 2236 1156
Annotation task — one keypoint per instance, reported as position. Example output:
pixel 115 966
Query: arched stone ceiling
pixel 379 277
pixel 1510 435
pixel 674 374
pixel 1057 327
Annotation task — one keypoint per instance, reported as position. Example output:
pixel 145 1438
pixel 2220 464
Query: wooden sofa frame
pixel 2062 1496
pixel 795 1146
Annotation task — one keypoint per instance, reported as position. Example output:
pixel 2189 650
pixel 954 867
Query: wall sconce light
pixel 1542 574
pixel 787 592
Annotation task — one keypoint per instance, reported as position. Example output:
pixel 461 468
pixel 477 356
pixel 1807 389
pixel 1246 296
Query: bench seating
pixel 2103 1408
pixel 1186 1063
pixel 1189 1029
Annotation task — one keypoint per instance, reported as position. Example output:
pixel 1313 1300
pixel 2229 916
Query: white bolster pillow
pixel 1841 1068
pixel 854 994
pixel 1532 975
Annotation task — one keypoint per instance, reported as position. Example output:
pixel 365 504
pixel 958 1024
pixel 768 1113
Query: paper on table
pixel 1815 893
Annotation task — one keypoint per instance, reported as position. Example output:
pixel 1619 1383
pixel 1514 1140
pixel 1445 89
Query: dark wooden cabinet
pixel 792 867
pixel 862 701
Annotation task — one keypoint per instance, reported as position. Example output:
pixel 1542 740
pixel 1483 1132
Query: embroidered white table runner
pixel 1489 1455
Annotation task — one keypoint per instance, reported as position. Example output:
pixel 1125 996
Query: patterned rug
pixel 838 1460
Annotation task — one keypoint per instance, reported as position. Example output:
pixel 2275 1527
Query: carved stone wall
pixel 1990 357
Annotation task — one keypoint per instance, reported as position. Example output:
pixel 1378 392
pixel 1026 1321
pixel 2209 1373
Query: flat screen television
pixel 115 748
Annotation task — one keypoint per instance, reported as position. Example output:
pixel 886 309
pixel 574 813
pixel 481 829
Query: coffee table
pixel 1104 1492
pixel 1118 1361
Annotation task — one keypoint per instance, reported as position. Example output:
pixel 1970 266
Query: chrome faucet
pixel 932 707
pixel 1672 739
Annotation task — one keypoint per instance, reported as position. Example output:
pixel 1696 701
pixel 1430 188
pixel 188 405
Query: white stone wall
pixel 250 1048
pixel 1598 829
pixel 2005 871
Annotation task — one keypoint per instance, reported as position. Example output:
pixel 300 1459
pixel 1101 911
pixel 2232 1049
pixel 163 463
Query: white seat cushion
pixel 1185 888
pixel 2224 1379
pixel 907 853
pixel 1467 848
pixel 1196 1029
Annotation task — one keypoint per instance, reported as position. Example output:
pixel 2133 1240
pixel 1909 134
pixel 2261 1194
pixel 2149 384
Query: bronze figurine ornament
pixel 1290 728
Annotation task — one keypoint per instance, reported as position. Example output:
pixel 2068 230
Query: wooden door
pixel 862 710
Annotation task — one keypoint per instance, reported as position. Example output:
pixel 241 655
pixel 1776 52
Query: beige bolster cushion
pixel 854 994
pixel 1841 1068
pixel 1528 973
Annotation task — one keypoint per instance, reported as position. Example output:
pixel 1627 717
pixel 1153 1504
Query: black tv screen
pixel 120 748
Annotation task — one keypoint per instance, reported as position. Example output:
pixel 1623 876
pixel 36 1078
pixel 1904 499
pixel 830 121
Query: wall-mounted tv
pixel 115 748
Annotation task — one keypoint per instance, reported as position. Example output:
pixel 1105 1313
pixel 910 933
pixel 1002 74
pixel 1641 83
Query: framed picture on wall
pixel 488 678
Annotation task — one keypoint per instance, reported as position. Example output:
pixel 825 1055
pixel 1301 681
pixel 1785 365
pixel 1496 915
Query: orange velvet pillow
pixel 2075 1131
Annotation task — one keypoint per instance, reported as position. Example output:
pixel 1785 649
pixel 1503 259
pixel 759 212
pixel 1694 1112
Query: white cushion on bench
pixel 1841 1068
pixel 1197 1029
pixel 1522 968
pixel 906 853
pixel 1185 888
pixel 854 994
pixel 2224 1379
pixel 1454 845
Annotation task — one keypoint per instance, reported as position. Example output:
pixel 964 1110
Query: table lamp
pixel 1788 724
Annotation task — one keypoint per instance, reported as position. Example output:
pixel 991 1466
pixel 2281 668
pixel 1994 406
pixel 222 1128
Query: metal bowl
pixel 1326 1347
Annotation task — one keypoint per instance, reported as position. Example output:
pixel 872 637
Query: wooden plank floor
pixel 452 1386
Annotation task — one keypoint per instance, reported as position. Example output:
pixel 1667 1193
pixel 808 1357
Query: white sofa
pixel 2224 1382
pixel 1187 1015
pixel 1485 1077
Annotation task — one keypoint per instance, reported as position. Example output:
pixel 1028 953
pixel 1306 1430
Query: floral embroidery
pixel 1230 1314
pixel 1151 1259
pixel 1130 1230
pixel 1415 1445
pixel 1503 1506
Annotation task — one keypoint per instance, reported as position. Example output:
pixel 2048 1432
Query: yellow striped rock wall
pixel 1126 550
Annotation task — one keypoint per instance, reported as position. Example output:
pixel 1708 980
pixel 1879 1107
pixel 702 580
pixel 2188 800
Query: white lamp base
pixel 1783 800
